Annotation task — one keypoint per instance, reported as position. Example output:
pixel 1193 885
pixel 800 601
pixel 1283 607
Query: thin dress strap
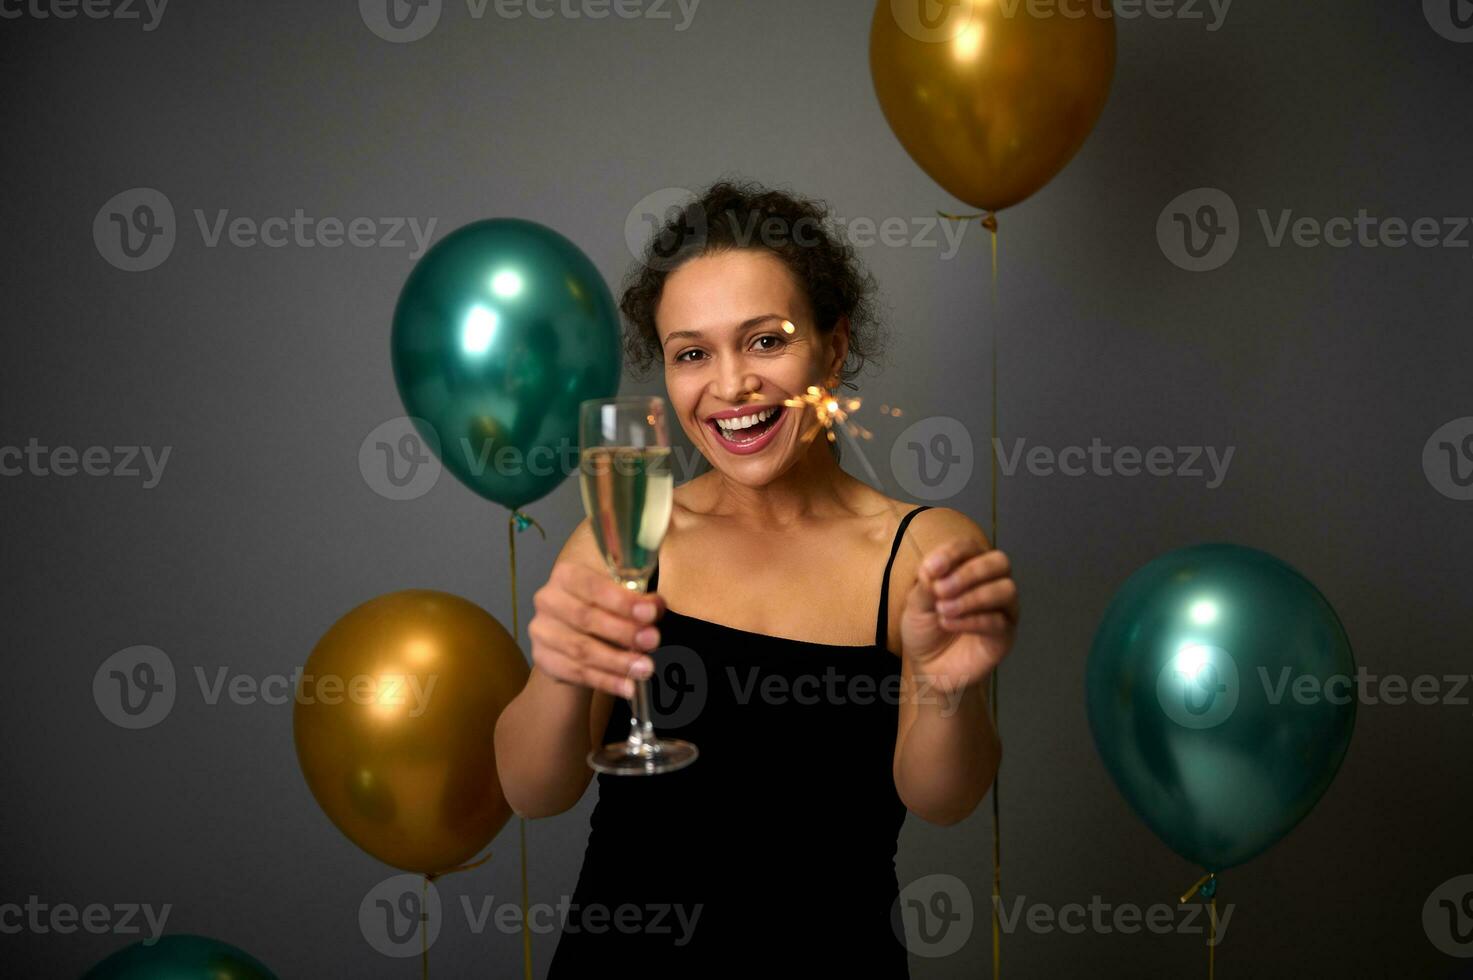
pixel 882 624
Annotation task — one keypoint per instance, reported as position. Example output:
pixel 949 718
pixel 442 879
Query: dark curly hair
pixel 734 213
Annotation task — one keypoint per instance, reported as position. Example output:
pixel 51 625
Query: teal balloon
pixel 1220 691
pixel 180 957
pixel 502 329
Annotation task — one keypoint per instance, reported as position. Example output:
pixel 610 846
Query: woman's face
pixel 738 338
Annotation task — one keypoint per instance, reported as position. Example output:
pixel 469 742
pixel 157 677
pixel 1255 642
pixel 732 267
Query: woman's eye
pixel 776 341
pixel 682 355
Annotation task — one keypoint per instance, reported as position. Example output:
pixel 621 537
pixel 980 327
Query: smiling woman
pixel 833 680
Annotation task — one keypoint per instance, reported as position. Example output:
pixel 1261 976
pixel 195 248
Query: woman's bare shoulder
pixel 935 525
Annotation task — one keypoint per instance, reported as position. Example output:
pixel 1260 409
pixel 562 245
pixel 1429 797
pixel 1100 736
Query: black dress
pixel 775 850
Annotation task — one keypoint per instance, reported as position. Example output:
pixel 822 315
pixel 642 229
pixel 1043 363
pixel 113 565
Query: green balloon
pixel 180 957
pixel 503 328
pixel 1221 697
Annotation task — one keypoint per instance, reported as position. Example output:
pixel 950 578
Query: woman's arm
pixel 947 749
pixel 583 639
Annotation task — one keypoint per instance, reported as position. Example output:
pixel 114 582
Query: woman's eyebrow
pixel 744 325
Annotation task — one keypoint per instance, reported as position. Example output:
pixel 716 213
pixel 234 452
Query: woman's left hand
pixel 961 615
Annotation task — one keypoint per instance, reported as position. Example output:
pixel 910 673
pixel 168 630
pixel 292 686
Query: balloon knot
pixel 523 521
pixel 990 222
pixel 1206 886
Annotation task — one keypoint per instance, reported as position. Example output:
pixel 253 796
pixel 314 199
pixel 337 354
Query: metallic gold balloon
pixel 395 720
pixel 992 97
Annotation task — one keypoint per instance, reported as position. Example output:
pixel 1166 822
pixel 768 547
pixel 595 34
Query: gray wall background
pixel 1329 369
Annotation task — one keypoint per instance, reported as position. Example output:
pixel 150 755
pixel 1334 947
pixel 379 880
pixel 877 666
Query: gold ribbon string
pixel 1207 885
pixel 424 905
pixel 515 523
pixel 989 221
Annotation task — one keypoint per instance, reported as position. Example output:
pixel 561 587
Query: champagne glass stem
pixel 641 729
pixel 641 725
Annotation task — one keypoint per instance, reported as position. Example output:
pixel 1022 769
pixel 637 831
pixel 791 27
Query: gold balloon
pixel 992 97
pixel 395 719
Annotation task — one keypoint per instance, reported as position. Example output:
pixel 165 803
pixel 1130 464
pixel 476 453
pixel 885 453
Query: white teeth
pixel 745 421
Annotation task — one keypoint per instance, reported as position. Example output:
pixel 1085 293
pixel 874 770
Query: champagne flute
pixel 628 492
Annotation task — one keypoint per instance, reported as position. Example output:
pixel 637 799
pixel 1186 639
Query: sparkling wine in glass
pixel 628 491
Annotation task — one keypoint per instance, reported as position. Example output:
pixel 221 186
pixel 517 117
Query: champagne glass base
pixel 661 755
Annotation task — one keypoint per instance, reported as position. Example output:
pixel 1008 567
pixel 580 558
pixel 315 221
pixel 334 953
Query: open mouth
pixel 748 432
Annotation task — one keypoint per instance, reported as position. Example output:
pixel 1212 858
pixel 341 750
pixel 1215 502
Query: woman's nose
pixel 739 385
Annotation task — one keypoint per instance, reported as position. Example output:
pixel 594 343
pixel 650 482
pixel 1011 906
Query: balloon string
pixel 515 524
pixel 989 221
pixel 424 895
pixel 1207 886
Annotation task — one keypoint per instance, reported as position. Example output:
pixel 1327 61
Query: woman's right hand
pixel 590 631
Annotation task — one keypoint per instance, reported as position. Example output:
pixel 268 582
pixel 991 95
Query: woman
pixel 831 678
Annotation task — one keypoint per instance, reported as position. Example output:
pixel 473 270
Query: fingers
pixel 939 561
pixel 997 595
pixel 989 622
pixel 579 658
pixel 603 592
pixel 590 630
pixel 618 629
pixel 972 572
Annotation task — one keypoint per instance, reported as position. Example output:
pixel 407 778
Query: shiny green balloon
pixel 503 328
pixel 1221 697
pixel 180 957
